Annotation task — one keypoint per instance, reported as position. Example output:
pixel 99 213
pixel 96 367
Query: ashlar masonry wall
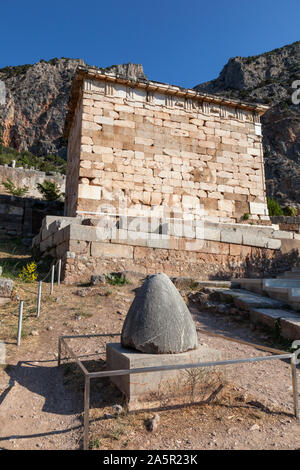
pixel 147 145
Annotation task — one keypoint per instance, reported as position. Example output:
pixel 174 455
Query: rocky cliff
pixel 37 97
pixel 268 79
pixel 34 112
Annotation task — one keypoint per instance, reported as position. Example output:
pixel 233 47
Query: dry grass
pixel 183 425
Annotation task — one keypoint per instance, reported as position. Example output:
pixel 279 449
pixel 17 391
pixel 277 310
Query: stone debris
pixel 85 291
pixel 97 279
pixel 153 423
pixel 6 287
pixel 158 321
pixel 34 333
pixel 255 427
pixel 118 409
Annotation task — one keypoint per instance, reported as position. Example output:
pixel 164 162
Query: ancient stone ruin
pixel 162 145
pixel 161 178
pixel 158 321
pixel 158 331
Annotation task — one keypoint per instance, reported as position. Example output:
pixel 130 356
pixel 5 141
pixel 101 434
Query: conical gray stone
pixel 158 321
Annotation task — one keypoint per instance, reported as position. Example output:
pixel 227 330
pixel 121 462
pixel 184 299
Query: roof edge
pixel 94 73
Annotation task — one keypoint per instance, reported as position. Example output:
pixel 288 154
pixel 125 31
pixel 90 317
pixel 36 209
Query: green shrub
pixel 116 280
pixel 291 211
pixel 49 190
pixel 274 207
pixel 246 216
pixel 45 163
pixel 12 189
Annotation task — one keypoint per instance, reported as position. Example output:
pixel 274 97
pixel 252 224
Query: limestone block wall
pixel 287 223
pixel 211 251
pixel 73 162
pixel 23 216
pixel 29 177
pixel 136 148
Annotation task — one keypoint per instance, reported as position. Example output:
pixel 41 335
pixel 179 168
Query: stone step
pixel 246 300
pixel 281 283
pixel 279 293
pixel 288 321
pixel 283 290
pixel 265 310
pixel 188 282
pixel 294 294
pixel 288 295
pixel 254 285
pixel 218 284
pixel 289 275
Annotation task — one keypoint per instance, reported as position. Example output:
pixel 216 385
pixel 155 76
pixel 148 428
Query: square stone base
pixel 145 390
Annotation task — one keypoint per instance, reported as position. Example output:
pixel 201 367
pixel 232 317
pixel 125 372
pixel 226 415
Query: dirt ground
pixel 41 405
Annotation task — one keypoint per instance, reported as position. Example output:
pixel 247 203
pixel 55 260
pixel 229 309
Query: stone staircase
pixel 273 301
pixel 293 274
pixel 285 287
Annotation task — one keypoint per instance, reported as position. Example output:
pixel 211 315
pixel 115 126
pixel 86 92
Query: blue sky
pixel 182 42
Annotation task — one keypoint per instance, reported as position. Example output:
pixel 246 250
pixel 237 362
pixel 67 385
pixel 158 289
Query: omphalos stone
pixel 158 321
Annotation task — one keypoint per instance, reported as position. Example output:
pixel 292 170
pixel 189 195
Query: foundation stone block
pixel 138 388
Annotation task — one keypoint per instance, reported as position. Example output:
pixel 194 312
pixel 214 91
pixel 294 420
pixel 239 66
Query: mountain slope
pixel 37 98
pixel 268 79
pixel 33 115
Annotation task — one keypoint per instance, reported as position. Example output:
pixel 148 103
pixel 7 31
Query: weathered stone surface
pixel 142 390
pixel 141 151
pixel 29 177
pixel 98 279
pixel 248 300
pixel 6 287
pixel 158 321
pixel 290 327
pixel 23 216
pixel 270 317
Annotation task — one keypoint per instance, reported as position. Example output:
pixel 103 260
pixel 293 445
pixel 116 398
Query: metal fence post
pixel 20 322
pixel 39 299
pixel 52 279
pixel 58 272
pixel 86 413
pixel 59 352
pixel 295 384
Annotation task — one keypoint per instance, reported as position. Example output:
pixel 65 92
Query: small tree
pixel 274 207
pixel 49 190
pixel 12 189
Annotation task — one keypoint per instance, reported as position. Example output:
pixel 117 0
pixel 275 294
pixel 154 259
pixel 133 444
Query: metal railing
pixel 277 354
pixel 39 295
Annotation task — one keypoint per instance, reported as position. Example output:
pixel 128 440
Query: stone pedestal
pixel 146 389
